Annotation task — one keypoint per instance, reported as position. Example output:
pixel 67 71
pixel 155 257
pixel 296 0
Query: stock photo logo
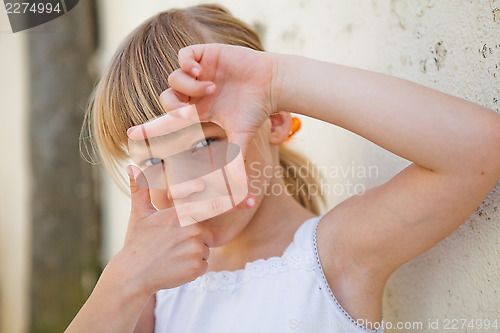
pixel 25 15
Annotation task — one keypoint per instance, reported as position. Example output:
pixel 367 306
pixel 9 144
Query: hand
pixel 230 85
pixel 158 253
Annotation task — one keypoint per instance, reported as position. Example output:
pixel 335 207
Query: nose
pixel 185 189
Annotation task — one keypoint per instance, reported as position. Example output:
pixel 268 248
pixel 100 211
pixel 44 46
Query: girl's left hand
pixel 233 86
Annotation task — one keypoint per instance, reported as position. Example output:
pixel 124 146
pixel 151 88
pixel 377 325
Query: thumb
pixel 141 200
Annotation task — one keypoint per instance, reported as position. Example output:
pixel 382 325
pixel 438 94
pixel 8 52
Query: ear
pixel 281 123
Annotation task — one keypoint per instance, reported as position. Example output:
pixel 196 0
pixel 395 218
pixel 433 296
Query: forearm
pixel 113 306
pixel 435 130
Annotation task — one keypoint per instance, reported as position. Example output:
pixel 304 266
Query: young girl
pixel 272 264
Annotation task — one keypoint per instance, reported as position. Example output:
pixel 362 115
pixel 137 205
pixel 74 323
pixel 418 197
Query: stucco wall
pixel 449 45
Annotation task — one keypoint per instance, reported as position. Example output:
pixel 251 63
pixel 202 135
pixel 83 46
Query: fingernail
pixel 196 71
pixel 130 130
pixel 251 201
pixel 210 89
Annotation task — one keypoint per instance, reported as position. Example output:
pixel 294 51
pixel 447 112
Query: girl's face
pixel 261 155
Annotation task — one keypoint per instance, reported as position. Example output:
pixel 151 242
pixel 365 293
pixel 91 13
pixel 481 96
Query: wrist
pixel 284 90
pixel 120 273
pixel 114 305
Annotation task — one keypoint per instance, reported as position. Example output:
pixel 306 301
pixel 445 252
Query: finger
pixel 188 85
pixel 171 100
pixel 189 58
pixel 173 121
pixel 206 252
pixel 141 200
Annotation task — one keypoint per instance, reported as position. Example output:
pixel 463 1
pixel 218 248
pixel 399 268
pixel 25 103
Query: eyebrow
pixel 172 137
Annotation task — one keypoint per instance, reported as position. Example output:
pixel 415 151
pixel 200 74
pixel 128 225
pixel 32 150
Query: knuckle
pixel 196 248
pixel 197 268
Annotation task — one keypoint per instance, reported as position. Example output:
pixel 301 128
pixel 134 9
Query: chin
pixel 225 227
pixel 218 220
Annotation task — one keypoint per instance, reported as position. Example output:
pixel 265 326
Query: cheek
pixel 260 173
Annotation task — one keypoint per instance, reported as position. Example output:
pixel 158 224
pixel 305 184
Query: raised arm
pixel 454 146
pixel 158 254
pixel 437 131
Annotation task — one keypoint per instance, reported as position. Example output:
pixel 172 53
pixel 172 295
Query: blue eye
pixel 152 162
pixel 202 144
pixel 195 148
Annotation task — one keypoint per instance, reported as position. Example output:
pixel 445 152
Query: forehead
pixel 191 131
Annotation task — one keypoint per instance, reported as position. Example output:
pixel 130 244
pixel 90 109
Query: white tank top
pixel 280 294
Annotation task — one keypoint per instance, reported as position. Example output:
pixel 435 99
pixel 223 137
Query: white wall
pixel 14 217
pixel 449 45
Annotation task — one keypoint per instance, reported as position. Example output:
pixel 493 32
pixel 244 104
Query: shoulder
pixel 357 289
pixel 304 235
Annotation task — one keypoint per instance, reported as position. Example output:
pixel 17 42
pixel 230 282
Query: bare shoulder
pixel 358 289
pixel 365 238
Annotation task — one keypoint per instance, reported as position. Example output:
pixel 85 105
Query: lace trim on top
pixel 341 308
pixel 231 280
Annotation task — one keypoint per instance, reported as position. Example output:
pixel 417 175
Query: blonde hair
pixel 129 89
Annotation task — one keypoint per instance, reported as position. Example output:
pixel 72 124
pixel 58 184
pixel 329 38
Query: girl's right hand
pixel 158 253
pixel 233 86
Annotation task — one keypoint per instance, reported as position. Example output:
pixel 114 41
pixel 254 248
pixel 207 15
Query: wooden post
pixel 65 261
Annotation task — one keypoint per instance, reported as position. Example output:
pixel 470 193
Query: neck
pixel 268 233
